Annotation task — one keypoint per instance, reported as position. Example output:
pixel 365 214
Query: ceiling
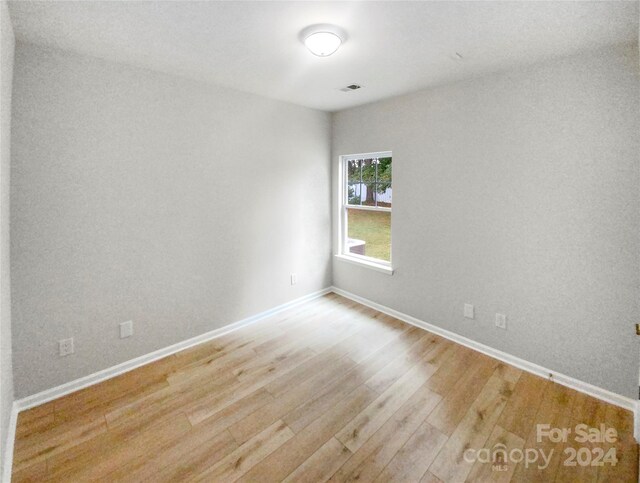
pixel 393 47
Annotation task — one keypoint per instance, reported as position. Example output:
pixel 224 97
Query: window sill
pixel 366 263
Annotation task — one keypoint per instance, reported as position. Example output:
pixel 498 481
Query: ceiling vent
pixel 352 87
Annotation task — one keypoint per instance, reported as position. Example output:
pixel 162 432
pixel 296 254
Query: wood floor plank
pixel 206 407
pixel 322 464
pixel 115 392
pixel 382 408
pixel 180 462
pixel 236 412
pixel 499 468
pixel 242 339
pixel 621 420
pixel 259 367
pixel 555 410
pixel 35 420
pixel 520 412
pixel 415 457
pixel 28 415
pixel 272 328
pixel 473 431
pixel 210 367
pixel 326 397
pixel 369 461
pixel 104 455
pixel 460 359
pixel 303 445
pixel 329 314
pixel 31 474
pixel 508 373
pixel 429 478
pixel 148 409
pixel 626 448
pixel 589 411
pixel 337 332
pixel 288 401
pixel 381 381
pixel 201 400
pixel 582 473
pixel 625 469
pixel 32 424
pixel 247 456
pixel 464 392
pixel 386 328
pixel 329 360
pixel 35 447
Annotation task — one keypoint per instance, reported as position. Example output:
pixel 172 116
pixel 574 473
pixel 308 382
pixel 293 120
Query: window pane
pixel 383 195
pixel 354 193
pixel 383 192
pixel 369 194
pixel 368 171
pixel 369 233
pixel 353 170
pixel 369 182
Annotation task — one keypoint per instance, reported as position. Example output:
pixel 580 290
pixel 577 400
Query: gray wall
pixel 136 195
pixel 6 373
pixel 516 192
pixel 185 207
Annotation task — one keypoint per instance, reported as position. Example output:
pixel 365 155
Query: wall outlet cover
pixel 501 321
pixel 126 329
pixel 469 311
pixel 65 347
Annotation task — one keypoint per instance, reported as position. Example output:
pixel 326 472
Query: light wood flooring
pixel 329 390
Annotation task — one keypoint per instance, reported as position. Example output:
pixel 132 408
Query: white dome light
pixel 323 39
pixel 323 44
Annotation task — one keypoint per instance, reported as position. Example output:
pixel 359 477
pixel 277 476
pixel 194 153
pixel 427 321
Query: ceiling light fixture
pixel 323 39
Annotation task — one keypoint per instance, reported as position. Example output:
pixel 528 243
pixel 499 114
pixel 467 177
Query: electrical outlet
pixel 66 347
pixel 126 329
pixel 469 311
pixel 294 278
pixel 501 321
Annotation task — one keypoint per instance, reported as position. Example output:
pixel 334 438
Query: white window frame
pixel 343 254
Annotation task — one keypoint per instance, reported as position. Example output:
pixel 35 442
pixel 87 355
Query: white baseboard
pixel 591 390
pixel 86 381
pixel 8 447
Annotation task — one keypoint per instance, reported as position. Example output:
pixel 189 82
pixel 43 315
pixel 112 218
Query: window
pixel 365 209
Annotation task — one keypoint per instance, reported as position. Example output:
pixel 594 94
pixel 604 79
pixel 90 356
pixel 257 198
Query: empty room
pixel 314 241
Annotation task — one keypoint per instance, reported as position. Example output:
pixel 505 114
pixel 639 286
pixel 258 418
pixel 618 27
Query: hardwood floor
pixel 328 391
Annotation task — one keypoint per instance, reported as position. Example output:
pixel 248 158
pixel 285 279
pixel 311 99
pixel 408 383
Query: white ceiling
pixel 393 47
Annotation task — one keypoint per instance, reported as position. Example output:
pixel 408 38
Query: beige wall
pixel 141 196
pixel 516 192
pixel 6 76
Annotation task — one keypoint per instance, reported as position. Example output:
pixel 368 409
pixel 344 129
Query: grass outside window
pixel 374 228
